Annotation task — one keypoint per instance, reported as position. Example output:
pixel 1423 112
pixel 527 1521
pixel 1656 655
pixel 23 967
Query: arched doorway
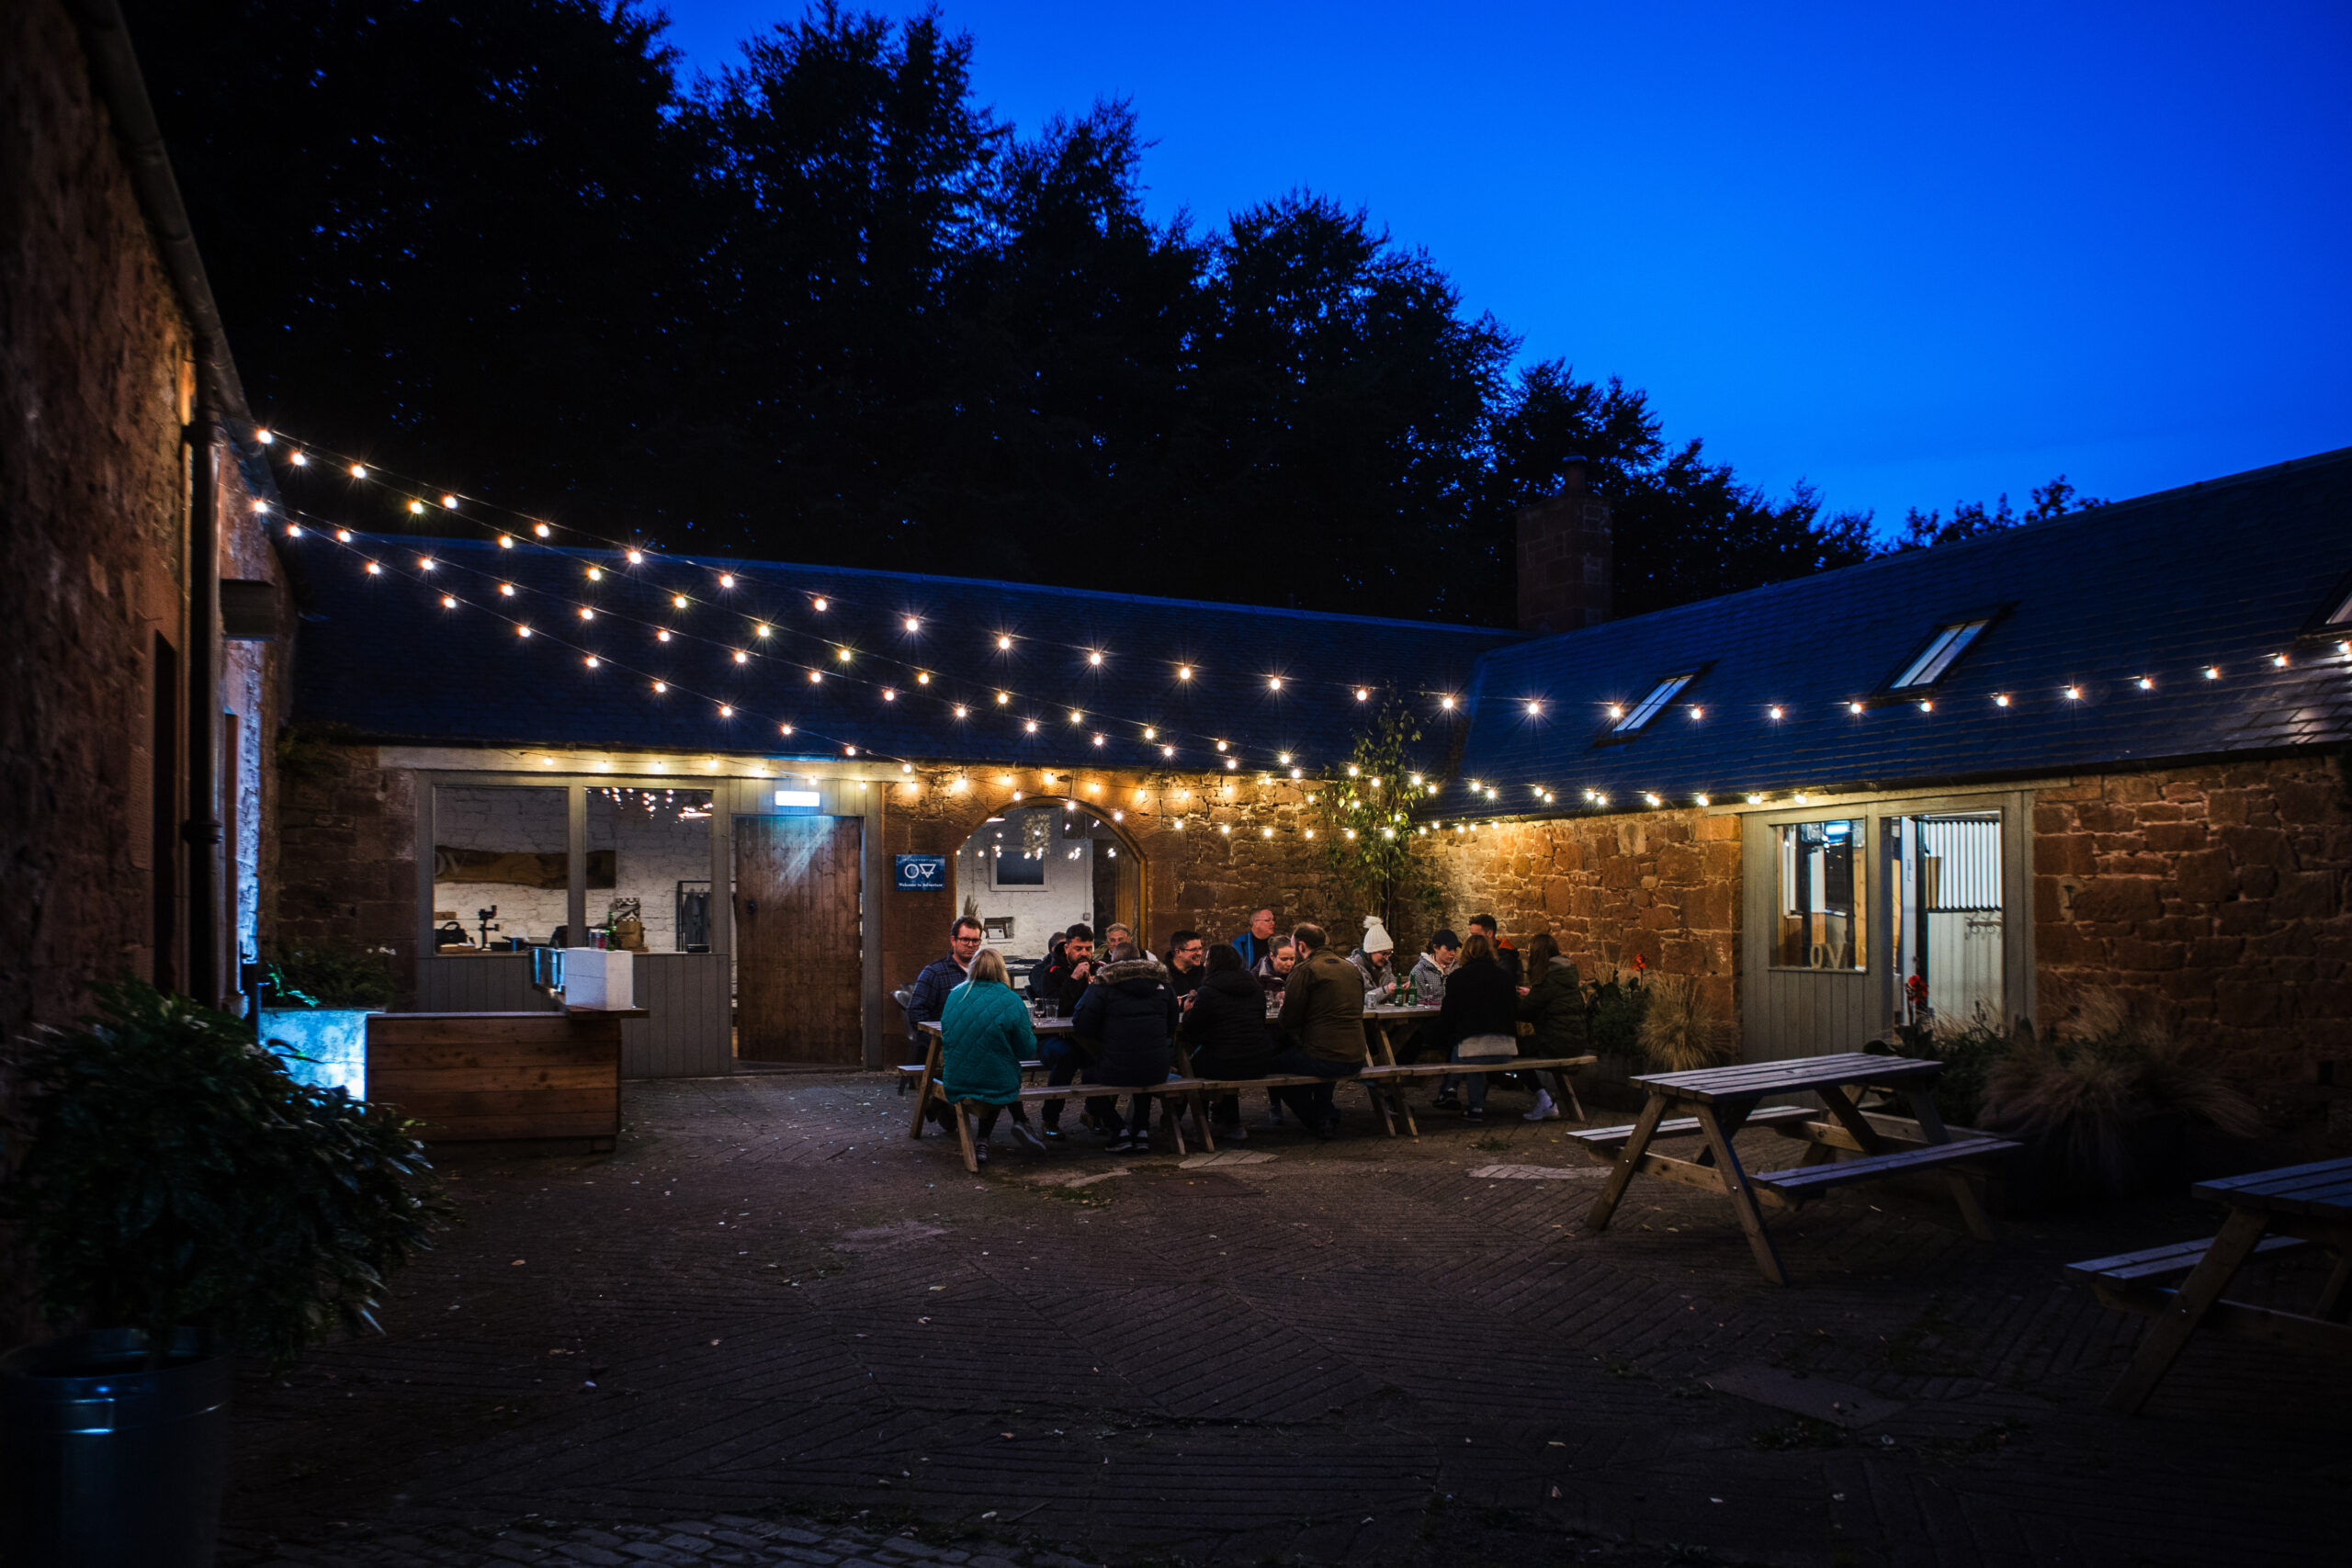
pixel 1039 866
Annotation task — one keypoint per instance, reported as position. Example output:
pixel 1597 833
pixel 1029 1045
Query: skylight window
pixel 1948 644
pixel 2343 616
pixel 1641 713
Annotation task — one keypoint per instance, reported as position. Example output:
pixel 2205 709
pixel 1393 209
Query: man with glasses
pixel 927 998
pixel 1187 963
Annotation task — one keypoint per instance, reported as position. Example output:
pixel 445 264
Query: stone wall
pixel 347 849
pixel 1662 885
pixel 2226 893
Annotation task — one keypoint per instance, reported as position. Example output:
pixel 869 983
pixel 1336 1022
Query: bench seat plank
pixel 1819 1178
pixel 1683 1126
pixel 2158 1262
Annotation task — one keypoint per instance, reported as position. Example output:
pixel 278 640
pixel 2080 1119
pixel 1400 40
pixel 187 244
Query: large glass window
pixel 1037 869
pixel 502 867
pixel 1821 912
pixel 1944 886
pixel 654 845
pixel 1665 692
pixel 1944 648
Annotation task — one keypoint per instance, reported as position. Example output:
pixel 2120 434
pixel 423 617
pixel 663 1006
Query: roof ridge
pixel 748 562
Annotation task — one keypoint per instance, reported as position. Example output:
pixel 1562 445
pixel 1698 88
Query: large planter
pixel 334 1039
pixel 106 1464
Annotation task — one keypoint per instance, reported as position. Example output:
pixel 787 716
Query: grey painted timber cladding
pixel 489 982
pixel 690 1033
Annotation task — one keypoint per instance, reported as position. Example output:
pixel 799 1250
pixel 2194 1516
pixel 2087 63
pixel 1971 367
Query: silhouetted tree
pixel 1923 530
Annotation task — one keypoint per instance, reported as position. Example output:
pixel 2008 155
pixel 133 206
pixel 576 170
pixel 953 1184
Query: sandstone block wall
pixel 2225 892
pixel 347 849
pixel 1662 885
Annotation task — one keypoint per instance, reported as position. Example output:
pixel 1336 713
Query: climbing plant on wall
pixel 1363 817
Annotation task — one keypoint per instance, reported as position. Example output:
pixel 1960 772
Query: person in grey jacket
pixel 1429 970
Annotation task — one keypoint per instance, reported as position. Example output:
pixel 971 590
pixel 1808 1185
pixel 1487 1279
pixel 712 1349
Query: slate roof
pixel 2229 573
pixel 380 655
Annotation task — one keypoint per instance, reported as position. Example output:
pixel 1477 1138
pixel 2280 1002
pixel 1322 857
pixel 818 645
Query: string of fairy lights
pixel 503 596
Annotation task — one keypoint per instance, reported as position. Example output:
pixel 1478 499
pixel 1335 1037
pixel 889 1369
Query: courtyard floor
pixel 770 1329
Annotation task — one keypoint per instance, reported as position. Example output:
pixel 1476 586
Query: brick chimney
pixel 1565 559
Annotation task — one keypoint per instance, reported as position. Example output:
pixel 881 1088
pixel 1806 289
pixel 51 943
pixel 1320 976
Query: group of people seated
pixel 1257 1006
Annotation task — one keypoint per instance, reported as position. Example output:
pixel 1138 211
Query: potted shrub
pixel 314 1007
pixel 1614 1002
pixel 2106 1099
pixel 180 1198
pixel 1680 1032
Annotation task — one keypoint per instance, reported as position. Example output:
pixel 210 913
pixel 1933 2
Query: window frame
pixel 1892 690
pixel 1641 717
pixel 2333 619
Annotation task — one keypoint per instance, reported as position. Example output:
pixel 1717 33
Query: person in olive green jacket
pixel 1554 1005
pixel 1323 1016
pixel 984 1037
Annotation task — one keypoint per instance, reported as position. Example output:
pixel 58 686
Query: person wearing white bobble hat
pixel 1376 960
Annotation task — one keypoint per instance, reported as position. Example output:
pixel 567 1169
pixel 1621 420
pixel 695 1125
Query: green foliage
pixel 1615 1001
pixel 829 306
pixel 330 974
pixel 172 1173
pixel 1363 816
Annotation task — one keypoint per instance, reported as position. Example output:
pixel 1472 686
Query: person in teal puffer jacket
pixel 984 1037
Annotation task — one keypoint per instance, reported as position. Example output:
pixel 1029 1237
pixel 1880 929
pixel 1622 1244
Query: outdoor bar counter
pixel 499 1076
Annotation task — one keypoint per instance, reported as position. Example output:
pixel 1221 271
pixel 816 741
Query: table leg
pixel 922 1089
pixel 1396 1086
pixel 2170 1333
pixel 1931 1122
pixel 1628 1157
pixel 964 1136
pixel 1735 1188
pixel 1195 1098
pixel 1377 1090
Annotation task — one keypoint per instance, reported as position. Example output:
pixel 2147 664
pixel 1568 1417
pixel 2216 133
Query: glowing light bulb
pixel 922 677
pixel 662 634
pixel 595 574
pixel 1772 713
pixel 424 563
pixel 1273 682
pixel 1002 698
pixel 815 676
pixel 1029 726
pixel 1231 763
pixel 2074 694
pixel 1616 712
pixel 1075 716
pixel 586 613
pixel 2000 699
pixel 1855 708
pixel 542 530
pixel 842 654
pixel 1265 832
pixel 786 729
pixel 449 602
pixel 741 656
pixel 522 631
pixel 724 712
pixel 1183 672
pixel 1446 703
pixel 726 579
pixel 1094 657
pixel 1755 799
pixel 2212 672
pixel 591 661
pixel 342 535
pixel 820 604
pixel 1362 695
pixel 1926 704
pixel 1220 745
pixel 507 589
pixel 1533 709
pixel 636 557
pixel 760 631
pixel 358 471
pixel 913 625
pixel 417 508
pixel 293 530
pixel 505 542
pixel 1697 714
pixel 1098 741
pixel 1003 643
pixel 298 460
pixel 960 710
pixel 449 503
pixel 659 687
pixel 888 695
pixel 1149 733
pixel 375 570
pixel 1298 773
pixel 1283 759
pixel 1168 751
pixel 2279 661
pixel 906 767
pixel 263 437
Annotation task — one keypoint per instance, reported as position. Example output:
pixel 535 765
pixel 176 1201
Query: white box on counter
pixel 597 978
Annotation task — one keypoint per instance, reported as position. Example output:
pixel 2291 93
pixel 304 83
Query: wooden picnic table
pixel 1724 1099
pixel 2268 1213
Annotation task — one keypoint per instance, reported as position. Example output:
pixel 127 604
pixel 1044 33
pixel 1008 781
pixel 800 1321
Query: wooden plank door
pixel 798 941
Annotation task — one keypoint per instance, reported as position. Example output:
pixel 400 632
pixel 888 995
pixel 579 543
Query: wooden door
pixel 799 946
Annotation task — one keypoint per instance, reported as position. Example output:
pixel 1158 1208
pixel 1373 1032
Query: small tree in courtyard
pixel 1363 810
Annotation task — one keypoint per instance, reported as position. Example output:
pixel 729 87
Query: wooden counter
pixel 490 1077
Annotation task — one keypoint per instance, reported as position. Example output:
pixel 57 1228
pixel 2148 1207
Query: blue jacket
pixel 927 998
pixel 1256 956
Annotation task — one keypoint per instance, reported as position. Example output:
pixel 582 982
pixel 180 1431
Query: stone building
pixel 142 689
pixel 2001 771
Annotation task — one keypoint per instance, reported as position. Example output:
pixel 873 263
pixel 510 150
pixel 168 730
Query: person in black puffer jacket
pixel 1478 1021
pixel 1225 1031
pixel 1128 1022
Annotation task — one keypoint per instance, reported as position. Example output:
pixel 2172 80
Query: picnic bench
pixel 1847 1146
pixel 1383 1078
pixel 2269 1212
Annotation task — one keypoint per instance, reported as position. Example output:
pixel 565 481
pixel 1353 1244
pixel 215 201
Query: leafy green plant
pixel 1364 809
pixel 1614 1001
pixel 171 1173
pixel 330 974
pixel 2110 1063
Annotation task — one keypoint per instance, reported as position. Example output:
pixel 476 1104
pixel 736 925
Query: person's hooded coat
pixel 1225 1029
pixel 1127 1018
pixel 1554 1005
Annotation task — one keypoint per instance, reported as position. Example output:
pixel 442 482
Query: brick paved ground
pixel 771 1329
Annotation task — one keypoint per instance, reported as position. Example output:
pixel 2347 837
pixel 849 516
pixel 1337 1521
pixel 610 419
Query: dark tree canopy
pixel 826 307
pixel 1924 530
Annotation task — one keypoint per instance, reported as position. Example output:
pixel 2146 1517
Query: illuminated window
pixel 1949 643
pixel 1641 713
pixel 1821 914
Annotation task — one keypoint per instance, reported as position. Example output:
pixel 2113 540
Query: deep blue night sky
pixel 1915 253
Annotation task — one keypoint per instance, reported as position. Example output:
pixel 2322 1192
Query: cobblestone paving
pixel 772 1329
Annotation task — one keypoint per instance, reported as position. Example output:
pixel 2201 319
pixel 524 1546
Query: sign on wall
pixel 919 872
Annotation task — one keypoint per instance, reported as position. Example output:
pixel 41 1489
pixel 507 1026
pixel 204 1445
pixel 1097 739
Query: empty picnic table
pixel 1849 1145
pixel 2268 1212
